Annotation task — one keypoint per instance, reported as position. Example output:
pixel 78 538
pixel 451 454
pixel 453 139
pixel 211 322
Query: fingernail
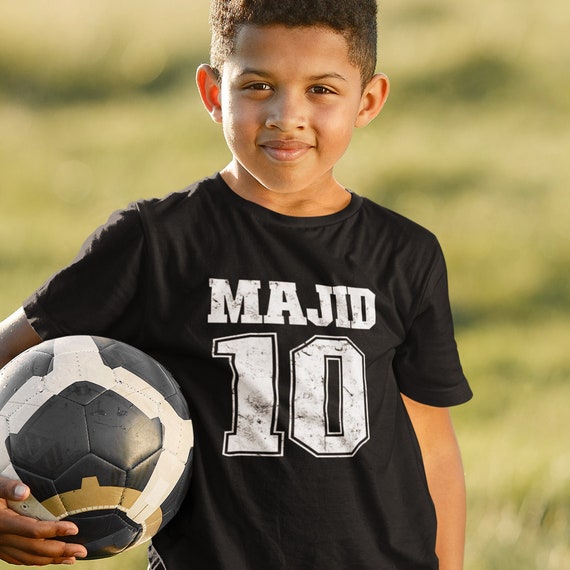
pixel 20 491
pixel 68 561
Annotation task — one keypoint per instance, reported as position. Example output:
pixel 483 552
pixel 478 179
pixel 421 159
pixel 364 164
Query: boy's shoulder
pixel 178 203
pixel 385 221
pixel 197 189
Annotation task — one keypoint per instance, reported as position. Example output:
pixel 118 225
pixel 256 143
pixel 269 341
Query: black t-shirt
pixel 292 339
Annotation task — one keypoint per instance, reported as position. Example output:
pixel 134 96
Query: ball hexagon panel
pixel 15 374
pixel 110 532
pixel 52 440
pixel 44 487
pixel 139 475
pixel 171 504
pixel 119 432
pixel 82 392
pixel 73 477
pixel 115 356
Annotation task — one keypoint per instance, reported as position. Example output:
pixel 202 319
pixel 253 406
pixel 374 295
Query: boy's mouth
pixel 285 150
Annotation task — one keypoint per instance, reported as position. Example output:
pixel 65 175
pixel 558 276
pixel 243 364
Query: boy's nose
pixel 286 113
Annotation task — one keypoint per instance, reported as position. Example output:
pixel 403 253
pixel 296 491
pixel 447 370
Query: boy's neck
pixel 324 200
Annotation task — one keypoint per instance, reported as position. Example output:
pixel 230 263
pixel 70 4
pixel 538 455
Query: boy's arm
pixel 24 540
pixel 446 480
pixel 16 335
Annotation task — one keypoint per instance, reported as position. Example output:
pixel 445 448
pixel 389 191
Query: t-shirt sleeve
pixel 427 364
pixel 92 295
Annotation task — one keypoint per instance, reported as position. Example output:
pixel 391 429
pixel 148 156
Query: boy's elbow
pixel 16 335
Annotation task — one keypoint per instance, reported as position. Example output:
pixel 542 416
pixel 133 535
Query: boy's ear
pixel 209 88
pixel 373 98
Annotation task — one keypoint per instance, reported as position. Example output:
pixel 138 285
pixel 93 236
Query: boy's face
pixel 289 100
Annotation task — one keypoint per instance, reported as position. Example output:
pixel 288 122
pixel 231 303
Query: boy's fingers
pixel 13 490
pixel 27 541
pixel 21 550
pixel 11 523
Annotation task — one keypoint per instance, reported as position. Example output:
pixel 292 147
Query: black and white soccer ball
pixel 101 434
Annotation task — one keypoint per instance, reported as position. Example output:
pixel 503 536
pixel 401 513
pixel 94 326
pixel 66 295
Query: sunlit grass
pixel 515 445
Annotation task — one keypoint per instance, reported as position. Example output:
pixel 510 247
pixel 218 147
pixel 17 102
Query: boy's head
pixel 355 20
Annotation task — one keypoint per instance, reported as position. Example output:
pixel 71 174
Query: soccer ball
pixel 101 434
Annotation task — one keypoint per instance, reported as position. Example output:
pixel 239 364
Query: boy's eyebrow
pixel 331 75
pixel 319 77
pixel 253 71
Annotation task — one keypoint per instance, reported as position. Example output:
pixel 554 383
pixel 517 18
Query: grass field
pixel 98 107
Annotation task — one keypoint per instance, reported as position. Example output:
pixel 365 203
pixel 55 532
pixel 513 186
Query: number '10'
pixel 313 425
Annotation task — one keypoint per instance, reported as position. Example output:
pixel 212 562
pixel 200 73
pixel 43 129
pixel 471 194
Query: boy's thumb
pixel 13 490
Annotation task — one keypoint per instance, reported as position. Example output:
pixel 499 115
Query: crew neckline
pixel 261 212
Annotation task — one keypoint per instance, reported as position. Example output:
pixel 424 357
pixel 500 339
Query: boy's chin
pixel 278 184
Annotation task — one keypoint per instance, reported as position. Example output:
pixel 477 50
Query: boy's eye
pixel 320 90
pixel 258 86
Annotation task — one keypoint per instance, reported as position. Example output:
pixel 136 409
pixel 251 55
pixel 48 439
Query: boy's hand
pixel 24 540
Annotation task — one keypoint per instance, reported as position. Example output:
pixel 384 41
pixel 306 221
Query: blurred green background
pixel 98 108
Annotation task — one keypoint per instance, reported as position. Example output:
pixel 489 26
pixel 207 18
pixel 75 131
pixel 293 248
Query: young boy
pixel 309 328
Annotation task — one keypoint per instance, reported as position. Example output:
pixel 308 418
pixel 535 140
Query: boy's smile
pixel 288 100
pixel 284 149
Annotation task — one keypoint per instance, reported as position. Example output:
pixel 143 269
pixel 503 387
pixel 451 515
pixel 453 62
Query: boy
pixel 310 328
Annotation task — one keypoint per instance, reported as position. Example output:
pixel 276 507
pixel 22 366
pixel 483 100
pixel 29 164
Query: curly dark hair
pixel 354 19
